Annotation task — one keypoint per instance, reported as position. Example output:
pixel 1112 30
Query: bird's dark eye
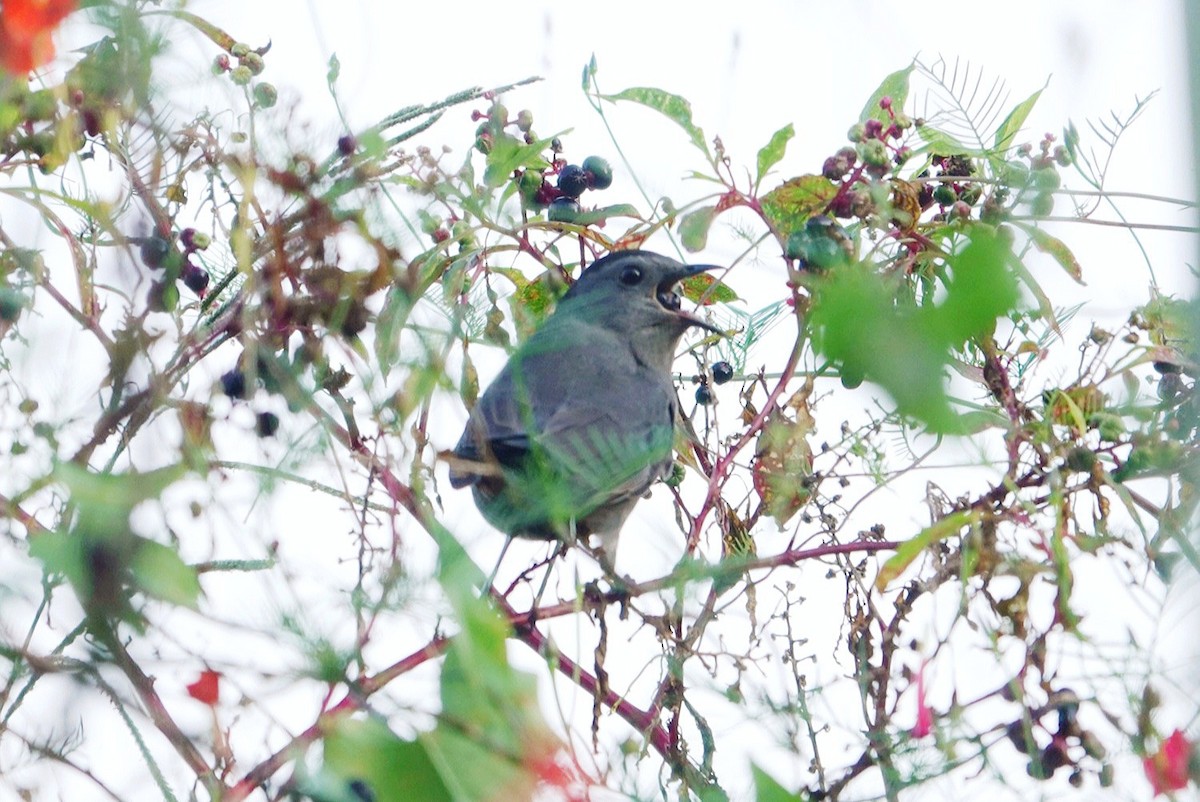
pixel 631 276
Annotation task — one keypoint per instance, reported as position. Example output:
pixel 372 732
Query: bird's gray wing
pixel 583 404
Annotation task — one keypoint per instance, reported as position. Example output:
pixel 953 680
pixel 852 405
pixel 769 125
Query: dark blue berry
pixel 704 395
pixel 572 181
pixel 722 372
pixel 196 278
pixel 266 424
pixel 233 384
pixel 154 252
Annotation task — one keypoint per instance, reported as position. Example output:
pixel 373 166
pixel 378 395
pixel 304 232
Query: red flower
pixel 207 689
pixel 25 30
pixel 924 724
pixel 1167 769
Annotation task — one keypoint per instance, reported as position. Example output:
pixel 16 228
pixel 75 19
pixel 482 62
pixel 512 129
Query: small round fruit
pixel 524 120
pixel 564 210
pixel 154 252
pixel 11 304
pixel 1042 205
pixel 825 252
pixel 722 372
pixel 253 61
pixel 600 170
pixel 704 395
pixel 266 424
pixel 572 181
pixel 851 377
pixel 944 195
pixel 347 144
pixel 797 245
pixel 196 278
pixel 241 75
pixel 265 95
pixel 233 383
pixel 162 296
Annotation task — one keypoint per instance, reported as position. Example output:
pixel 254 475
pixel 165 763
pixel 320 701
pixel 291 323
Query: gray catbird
pixel 580 422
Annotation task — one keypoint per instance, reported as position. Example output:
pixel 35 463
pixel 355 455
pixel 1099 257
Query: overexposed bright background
pixel 749 68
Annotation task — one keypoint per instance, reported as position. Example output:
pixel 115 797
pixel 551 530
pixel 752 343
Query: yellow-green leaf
pixel 770 153
pixel 693 227
pixel 674 107
pixel 791 203
pixel 910 549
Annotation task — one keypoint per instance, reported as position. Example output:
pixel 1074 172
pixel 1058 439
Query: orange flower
pixel 25 32
pixel 1167 769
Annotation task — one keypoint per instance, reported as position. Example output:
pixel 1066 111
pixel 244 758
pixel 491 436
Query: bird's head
pixel 635 292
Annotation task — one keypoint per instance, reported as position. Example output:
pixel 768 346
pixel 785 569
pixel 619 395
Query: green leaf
pixel 791 203
pixel 159 571
pixel 218 36
pixel 473 769
pixel 980 288
pixel 605 212
pixel 768 790
pixel 1055 248
pixel 589 73
pixel 105 500
pixel 910 549
pixel 334 71
pixel 1011 126
pixel 703 287
pixel 674 107
pixel 61 553
pixel 894 86
pixel 940 143
pixel 389 323
pixel 509 154
pixel 857 324
pixel 365 751
pixel 693 227
pixel 770 153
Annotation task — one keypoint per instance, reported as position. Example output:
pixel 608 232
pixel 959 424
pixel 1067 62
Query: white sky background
pixel 748 68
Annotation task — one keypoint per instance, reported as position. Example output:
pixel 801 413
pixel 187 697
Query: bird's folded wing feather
pixel 608 427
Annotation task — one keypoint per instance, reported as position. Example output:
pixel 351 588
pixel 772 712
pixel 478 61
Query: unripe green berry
pixel 874 153
pixel 265 95
pixel 600 170
pixel 241 75
pixel 253 61
pixel 944 195
pixel 1042 204
pixel 564 210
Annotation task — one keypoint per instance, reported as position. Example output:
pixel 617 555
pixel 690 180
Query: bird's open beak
pixel 668 295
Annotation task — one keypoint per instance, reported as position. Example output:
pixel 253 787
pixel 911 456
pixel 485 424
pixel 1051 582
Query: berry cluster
pixel 234 384
pixel 556 188
pixel 820 245
pixel 249 64
pixel 573 179
pixel 721 372
pixel 159 253
pixel 1066 733
pixel 876 150
pixel 1041 178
